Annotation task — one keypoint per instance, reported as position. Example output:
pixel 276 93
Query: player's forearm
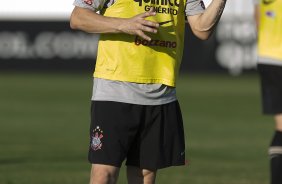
pixel 88 21
pixel 204 24
pixel 257 15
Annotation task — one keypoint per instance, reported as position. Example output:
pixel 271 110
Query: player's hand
pixel 137 25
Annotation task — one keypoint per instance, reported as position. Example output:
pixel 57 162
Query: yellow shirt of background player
pixel 130 58
pixel 270 30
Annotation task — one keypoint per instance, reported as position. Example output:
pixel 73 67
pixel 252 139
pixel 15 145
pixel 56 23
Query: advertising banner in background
pixel 236 37
pixel 45 45
pixel 40 38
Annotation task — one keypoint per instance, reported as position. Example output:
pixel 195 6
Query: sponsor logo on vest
pixel 160 6
pixel 155 43
pixel 165 22
pixel 159 2
pixel 159 9
pixel 88 2
pixel 268 1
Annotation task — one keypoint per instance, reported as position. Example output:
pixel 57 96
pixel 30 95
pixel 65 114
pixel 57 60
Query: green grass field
pixel 44 122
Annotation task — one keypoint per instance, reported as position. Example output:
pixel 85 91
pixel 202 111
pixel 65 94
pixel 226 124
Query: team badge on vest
pixel 96 137
pixel 270 14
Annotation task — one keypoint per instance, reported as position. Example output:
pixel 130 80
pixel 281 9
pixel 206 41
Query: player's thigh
pixel 136 175
pixel 112 131
pixel 103 174
pixel 160 141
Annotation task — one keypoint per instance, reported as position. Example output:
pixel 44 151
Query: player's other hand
pixel 137 25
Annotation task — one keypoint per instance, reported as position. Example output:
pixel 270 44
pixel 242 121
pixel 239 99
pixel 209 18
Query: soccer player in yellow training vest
pixel 268 15
pixel 135 114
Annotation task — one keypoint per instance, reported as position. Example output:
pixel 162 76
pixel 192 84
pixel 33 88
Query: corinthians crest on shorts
pixel 96 137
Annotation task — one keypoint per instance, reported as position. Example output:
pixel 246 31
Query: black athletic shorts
pixel 147 137
pixel 271 87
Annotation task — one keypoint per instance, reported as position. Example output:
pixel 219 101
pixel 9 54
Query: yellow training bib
pixel 130 58
pixel 270 31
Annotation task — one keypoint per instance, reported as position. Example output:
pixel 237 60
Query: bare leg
pixel 103 174
pixel 278 121
pixel 275 152
pixel 136 175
